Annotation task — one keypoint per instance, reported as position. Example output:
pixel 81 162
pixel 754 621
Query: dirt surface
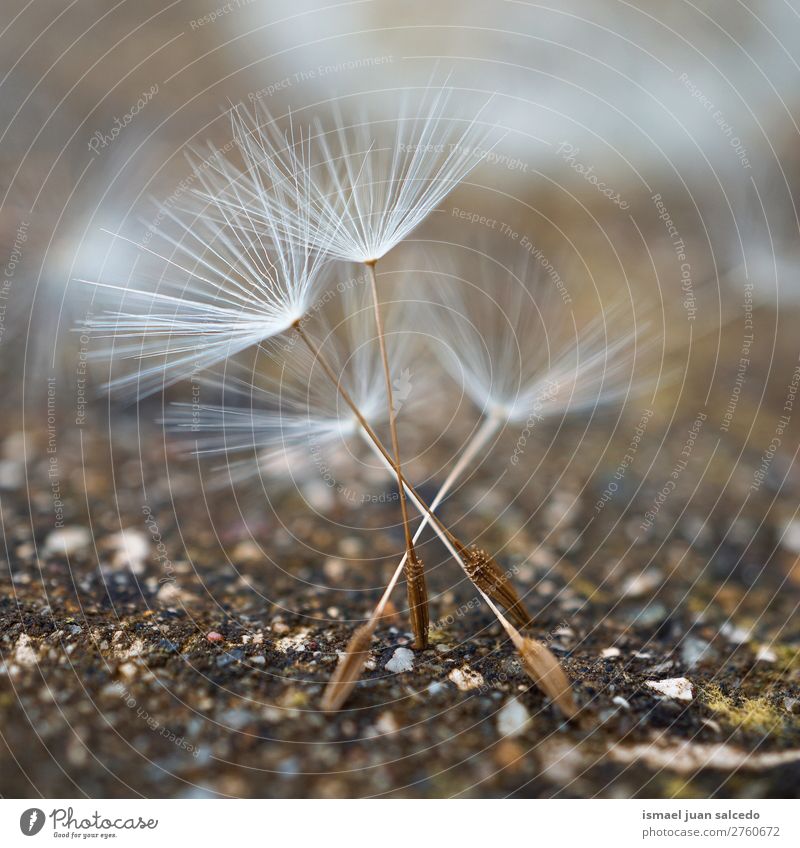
pixel 188 658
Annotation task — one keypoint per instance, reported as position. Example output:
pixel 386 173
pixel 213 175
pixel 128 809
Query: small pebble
pixel 513 718
pixel 765 654
pixel 678 688
pixel 386 723
pixel 465 678
pixel 350 547
pixel 12 474
pixel 562 509
pixel 23 652
pixel 792 705
pixel 694 650
pixel 19 445
pixel 402 660
pixel 791 536
pixel 334 569
pixel 169 593
pixel 213 636
pixel 642 584
pixel 67 540
pixel 735 634
pixel 247 551
pixel 318 495
pixel 610 653
pixel 651 615
pixel 621 702
pixel 128 670
pixel 130 548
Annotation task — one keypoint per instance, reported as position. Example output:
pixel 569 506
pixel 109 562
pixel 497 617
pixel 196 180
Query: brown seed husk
pixel 349 669
pixel 487 575
pixel 417 599
pixel 545 670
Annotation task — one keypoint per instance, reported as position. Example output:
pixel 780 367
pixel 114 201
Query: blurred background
pixel 694 104
pixel 650 155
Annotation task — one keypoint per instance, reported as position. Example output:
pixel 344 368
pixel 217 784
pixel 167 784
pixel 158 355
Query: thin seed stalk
pixel 414 569
pixel 418 601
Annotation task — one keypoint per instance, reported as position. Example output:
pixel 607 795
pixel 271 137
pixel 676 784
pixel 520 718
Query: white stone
pixel 735 634
pixel 402 660
pixel 67 540
pixel 247 551
pixel 513 718
pixel 766 654
pixel 675 687
pixel 23 652
pixel 350 547
pixel 465 678
pixel 562 509
pixel 12 474
pixel 128 670
pixel 18 445
pixel 386 723
pixel 319 495
pixel 791 536
pixel 297 641
pixel 334 568
pixel 621 702
pixel 136 649
pixel 642 584
pixel 169 593
pixel 610 653
pixel 130 548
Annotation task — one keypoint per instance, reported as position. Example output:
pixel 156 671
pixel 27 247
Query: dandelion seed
pixel 517 348
pixel 283 406
pixel 218 284
pixel 366 184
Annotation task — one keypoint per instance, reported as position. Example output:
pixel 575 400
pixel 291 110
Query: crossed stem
pixel 453 545
pixel 478 440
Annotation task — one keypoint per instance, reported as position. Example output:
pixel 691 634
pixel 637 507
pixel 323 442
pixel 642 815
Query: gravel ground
pixel 187 657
